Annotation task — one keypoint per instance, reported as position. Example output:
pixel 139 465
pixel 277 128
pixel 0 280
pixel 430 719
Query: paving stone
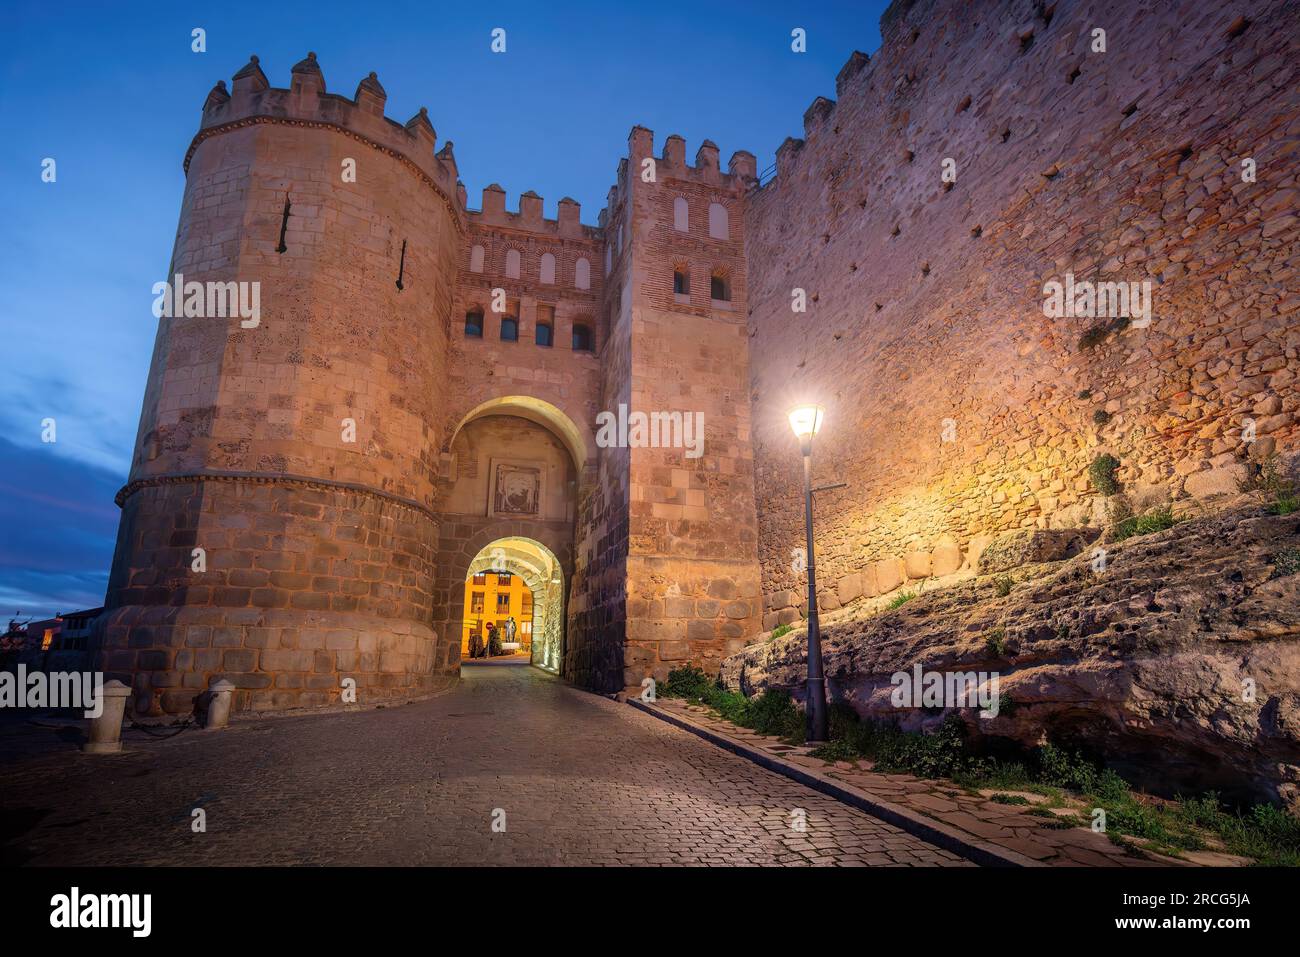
pixel 582 781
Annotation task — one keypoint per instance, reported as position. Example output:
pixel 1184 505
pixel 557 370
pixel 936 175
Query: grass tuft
pixel 901 598
pixel 1156 521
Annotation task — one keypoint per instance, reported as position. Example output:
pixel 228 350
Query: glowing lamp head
pixel 806 420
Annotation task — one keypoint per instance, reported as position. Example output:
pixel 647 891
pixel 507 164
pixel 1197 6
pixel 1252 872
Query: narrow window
pixel 509 329
pixel 401 267
pixel 474 324
pixel 681 215
pixel 681 282
pixel 512 264
pixel 720 288
pixel 545 334
pixel 582 274
pixel 609 258
pixel 548 269
pixel 476 259
pixel 718 228
pixel 284 225
pixel 581 339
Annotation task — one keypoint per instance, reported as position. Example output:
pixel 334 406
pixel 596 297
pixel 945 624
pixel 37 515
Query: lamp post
pixel 806 420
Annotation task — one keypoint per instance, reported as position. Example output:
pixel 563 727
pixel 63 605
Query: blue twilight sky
pixel 113 93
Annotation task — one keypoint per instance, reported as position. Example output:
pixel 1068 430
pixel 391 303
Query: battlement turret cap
pixel 308 65
pixel 420 122
pixel 217 95
pixel 250 79
pixel 371 84
pixel 251 68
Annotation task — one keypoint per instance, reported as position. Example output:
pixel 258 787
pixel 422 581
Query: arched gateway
pixel 489 596
pixel 512 474
pixel 309 490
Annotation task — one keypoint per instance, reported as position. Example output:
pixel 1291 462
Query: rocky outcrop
pixel 1028 546
pixel 1174 657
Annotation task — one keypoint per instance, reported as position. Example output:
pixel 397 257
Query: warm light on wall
pixel 806 420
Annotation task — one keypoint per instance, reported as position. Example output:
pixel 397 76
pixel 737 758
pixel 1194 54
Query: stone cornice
pixel 261 478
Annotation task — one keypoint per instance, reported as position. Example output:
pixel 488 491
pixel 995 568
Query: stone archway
pixel 459 555
pixel 541 571
pixel 580 442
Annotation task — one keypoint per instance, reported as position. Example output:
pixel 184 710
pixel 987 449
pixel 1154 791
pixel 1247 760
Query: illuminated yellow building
pixel 493 597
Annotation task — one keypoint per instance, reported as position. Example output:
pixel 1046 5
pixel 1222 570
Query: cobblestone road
pixel 581 780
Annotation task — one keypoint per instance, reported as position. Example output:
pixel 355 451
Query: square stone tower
pixel 676 301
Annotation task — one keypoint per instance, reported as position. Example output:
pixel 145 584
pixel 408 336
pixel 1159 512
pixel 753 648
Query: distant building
pixel 495 597
pixel 59 643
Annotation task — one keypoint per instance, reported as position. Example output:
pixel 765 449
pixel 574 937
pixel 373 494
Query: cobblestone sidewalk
pixel 580 780
pixel 1013 827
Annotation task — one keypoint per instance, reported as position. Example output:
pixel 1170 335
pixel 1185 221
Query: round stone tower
pixel 277 528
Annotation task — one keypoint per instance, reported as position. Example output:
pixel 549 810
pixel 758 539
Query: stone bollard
pixel 106 730
pixel 220 694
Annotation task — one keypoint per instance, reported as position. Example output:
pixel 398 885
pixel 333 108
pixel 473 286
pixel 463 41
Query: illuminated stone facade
pixel 450 336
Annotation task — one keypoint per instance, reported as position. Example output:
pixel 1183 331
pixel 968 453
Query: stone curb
pixel 984 853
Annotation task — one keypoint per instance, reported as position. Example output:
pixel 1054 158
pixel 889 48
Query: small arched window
pixel 474 324
pixel 548 269
pixel 581 338
pixel 582 274
pixel 718 228
pixel 681 215
pixel 545 334
pixel 476 259
pixel 512 264
pixel 509 329
pixel 720 288
pixel 681 282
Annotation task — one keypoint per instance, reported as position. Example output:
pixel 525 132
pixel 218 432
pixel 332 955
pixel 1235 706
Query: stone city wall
pixel 955 409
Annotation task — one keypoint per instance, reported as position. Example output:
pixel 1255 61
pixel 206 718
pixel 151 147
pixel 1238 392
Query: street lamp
pixel 806 420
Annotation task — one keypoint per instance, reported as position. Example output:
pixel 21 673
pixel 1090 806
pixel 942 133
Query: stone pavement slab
pixel 574 777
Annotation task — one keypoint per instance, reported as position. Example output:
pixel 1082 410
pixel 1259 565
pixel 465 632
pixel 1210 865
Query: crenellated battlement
pixel 528 215
pixel 820 112
pixel 252 99
pixel 741 173
pixel 741 168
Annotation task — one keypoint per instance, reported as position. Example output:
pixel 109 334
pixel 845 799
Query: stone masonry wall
pixel 488 368
pixel 318 550
pixel 692 573
pixel 954 408
pixel 594 647
pixel 305 586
